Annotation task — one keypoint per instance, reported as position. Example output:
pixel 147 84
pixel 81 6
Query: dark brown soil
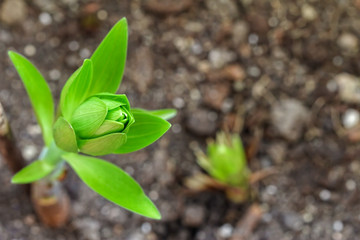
pixel 273 65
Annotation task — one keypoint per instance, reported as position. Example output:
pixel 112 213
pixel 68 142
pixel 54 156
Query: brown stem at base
pixel 8 147
pixel 51 202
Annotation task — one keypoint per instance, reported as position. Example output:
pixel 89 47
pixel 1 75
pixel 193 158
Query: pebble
pixel 88 228
pixel 194 215
pixel 215 95
pixel 240 32
pixel 146 228
pixel 225 230
pixel 308 12
pixel 13 11
pixel 293 221
pixel 349 87
pixel 348 42
pixel 338 226
pixel 29 152
pixel 102 15
pixel 45 18
pixel 325 195
pixel 227 9
pixel 350 118
pixel 178 102
pixel 202 122
pixel 54 74
pixel 218 58
pixel 350 185
pixel 289 118
pixel 29 50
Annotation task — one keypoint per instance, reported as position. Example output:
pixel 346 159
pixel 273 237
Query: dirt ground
pixel 287 71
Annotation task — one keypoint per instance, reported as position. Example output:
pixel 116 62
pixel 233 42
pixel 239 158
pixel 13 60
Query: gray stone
pixel 194 215
pixel 13 11
pixel 202 122
pixel 349 87
pixel 289 118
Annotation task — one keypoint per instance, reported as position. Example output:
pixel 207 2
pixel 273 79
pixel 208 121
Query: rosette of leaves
pixel 92 119
pixel 226 164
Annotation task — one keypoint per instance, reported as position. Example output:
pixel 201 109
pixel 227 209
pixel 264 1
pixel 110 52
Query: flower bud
pixel 97 127
pixel 226 160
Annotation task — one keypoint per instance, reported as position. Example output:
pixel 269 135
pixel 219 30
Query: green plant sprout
pixel 226 164
pixel 93 120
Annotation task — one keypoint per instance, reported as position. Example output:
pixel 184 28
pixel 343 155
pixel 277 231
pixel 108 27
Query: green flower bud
pixel 226 160
pixel 97 127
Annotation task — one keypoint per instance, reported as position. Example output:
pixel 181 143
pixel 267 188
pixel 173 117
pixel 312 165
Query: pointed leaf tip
pixel 112 183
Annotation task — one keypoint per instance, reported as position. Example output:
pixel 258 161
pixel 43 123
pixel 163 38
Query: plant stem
pixel 8 147
pixel 50 200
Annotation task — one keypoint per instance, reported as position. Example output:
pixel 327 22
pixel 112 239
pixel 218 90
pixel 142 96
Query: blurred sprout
pixel 226 164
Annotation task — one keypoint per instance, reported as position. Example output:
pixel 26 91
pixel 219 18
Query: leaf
pixel 64 135
pixel 103 145
pixel 78 90
pixel 39 93
pixel 113 184
pixel 67 85
pixel 147 129
pixel 109 60
pixel 109 126
pixel 165 114
pixel 33 172
pixel 88 117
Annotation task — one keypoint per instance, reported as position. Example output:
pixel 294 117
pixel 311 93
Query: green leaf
pixel 109 60
pixel 39 93
pixel 113 184
pixel 78 90
pixel 147 129
pixel 66 87
pixel 33 172
pixel 165 114
pixel 64 135
pixel 102 145
pixel 88 117
pixel 109 126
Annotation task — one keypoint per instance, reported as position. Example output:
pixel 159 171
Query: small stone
pixel 88 228
pixel 289 118
pixel 240 33
pixel 215 94
pixel 338 226
pixel 271 189
pixel 194 215
pixel 178 102
pixel 293 221
pixel 225 230
pixel 350 118
pixel 29 152
pixel 227 9
pixel 349 87
pixel 146 228
pixel 348 42
pixel 13 11
pixel 350 185
pixel 325 195
pixel 45 18
pixel 54 74
pixel 102 15
pixel 202 122
pixel 29 50
pixel 74 46
pixel 308 12
pixel 220 57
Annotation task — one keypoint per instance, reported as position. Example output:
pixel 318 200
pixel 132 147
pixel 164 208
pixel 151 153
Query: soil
pixel 272 66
